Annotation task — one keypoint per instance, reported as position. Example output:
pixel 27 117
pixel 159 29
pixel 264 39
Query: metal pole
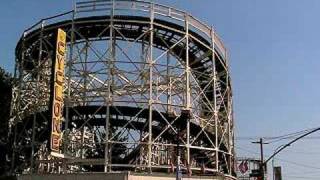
pixel 109 99
pixel 282 147
pixel 291 142
pixel 188 98
pixel 215 101
pixel 168 83
pixel 150 88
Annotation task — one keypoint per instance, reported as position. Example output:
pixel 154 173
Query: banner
pixel 57 100
pixel 243 167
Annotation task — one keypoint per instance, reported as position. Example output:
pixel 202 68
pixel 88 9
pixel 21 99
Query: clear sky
pixel 274 55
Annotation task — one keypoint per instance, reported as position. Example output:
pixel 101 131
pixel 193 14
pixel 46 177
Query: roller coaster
pixel 147 87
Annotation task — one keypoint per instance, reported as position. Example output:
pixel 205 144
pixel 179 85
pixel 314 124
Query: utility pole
pixel 262 167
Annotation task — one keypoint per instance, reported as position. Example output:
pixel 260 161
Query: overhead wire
pixel 284 160
pixel 274 139
pixel 289 136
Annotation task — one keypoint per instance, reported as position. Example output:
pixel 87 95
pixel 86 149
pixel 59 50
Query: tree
pixel 6 83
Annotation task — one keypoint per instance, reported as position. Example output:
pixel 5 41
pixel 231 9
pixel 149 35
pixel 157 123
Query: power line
pixel 284 160
pixel 291 142
pixel 303 152
pixel 298 164
pixel 293 163
pixel 294 133
pixel 254 138
pixel 274 139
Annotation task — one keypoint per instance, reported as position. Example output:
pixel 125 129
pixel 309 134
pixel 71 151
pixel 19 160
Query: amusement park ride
pixel 114 86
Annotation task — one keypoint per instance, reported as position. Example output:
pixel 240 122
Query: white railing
pixel 108 6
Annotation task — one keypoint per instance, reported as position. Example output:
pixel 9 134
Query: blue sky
pixel 274 56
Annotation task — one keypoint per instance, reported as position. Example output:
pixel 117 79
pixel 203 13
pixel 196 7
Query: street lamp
pixel 280 148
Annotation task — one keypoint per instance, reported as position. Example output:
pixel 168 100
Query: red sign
pixel 243 167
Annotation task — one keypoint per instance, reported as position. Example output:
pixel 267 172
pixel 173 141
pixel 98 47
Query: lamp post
pixel 280 148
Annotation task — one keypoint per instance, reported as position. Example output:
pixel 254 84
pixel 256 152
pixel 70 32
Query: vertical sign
pixel 58 84
pixel 277 173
